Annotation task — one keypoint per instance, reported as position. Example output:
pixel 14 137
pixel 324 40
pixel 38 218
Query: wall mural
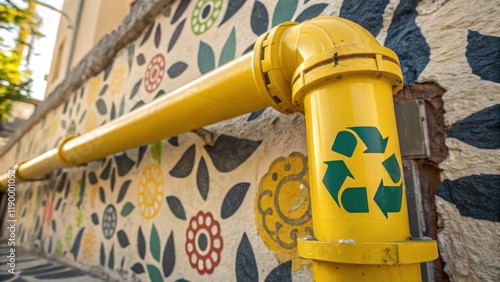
pixel 185 209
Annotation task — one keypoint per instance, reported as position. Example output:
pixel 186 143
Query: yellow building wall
pixel 97 18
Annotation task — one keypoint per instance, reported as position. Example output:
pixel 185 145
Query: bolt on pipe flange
pixel 375 253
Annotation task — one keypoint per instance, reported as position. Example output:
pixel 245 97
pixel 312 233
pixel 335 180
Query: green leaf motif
pixel 284 11
pixel 154 273
pixel 127 209
pixel 156 148
pixel 154 244
pixel 229 49
pixel 206 58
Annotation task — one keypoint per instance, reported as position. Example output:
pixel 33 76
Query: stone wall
pixel 196 208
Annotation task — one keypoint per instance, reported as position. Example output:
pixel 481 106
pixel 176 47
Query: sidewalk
pixel 32 267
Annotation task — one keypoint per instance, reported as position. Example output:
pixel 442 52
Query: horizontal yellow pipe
pixel 224 93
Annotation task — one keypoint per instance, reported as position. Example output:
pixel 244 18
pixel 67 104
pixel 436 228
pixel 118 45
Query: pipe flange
pixel 333 64
pixel 374 253
pixel 273 85
pixel 60 157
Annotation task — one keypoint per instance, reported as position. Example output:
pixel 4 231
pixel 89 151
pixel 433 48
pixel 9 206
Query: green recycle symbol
pixel 355 199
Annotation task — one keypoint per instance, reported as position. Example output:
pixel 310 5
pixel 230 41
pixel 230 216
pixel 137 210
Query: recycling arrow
pixel 389 198
pixel 372 138
pixel 391 165
pixel 336 174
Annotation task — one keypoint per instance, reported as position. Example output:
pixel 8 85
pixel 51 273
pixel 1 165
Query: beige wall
pixel 98 18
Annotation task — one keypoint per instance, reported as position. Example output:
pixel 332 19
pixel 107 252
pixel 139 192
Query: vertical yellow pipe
pixel 339 117
pixel 339 76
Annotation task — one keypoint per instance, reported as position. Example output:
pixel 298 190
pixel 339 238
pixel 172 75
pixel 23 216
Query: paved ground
pixel 32 267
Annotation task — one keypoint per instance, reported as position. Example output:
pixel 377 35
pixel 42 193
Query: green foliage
pixel 15 81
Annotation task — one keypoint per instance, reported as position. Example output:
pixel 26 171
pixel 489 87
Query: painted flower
pixel 118 77
pixel 204 15
pixel 154 73
pixel 283 208
pixel 151 191
pixel 109 219
pixel 204 243
pixel 89 244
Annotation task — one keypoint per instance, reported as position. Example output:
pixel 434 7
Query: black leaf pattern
pixel 203 179
pixel 142 151
pixel 124 164
pixel 101 107
pixel 311 12
pixel 111 259
pixel 122 239
pixel 137 105
pixel 174 141
pixel 58 204
pixel 62 181
pixel 103 90
pixel 255 114
pixel 105 172
pixel 159 94
pixel 123 190
pixel 147 34
pixel 481 129
pixel 95 219
pixel 137 268
pixel 185 164
pixel 233 199
pixel 158 35
pixel 180 10
pixel 259 19
pixel 282 273
pixel 92 178
pixel 107 71
pixel 176 207
pixel 176 69
pixel 113 179
pixel 136 87
pixel 230 152
pixel 246 267
pixel 141 244
pixel 232 7
pixel 168 262
pixel 113 111
pixel 76 245
pixel 102 195
pixel 175 35
pixel 102 258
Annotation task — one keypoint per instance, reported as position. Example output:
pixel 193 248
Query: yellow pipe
pixel 338 75
pixel 227 92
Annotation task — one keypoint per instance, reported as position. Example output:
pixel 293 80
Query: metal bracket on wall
pixel 412 128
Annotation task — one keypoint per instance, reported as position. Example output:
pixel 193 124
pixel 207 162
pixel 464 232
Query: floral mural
pixel 190 208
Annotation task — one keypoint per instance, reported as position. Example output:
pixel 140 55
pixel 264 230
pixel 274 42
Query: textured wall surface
pixel 205 206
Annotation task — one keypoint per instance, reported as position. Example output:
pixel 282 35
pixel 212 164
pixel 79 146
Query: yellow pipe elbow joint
pixel 342 79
